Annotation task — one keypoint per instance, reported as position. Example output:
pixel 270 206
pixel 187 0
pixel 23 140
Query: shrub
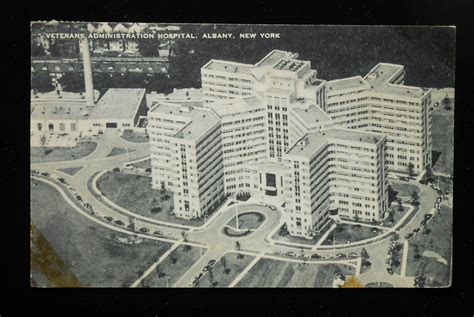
pixel 48 151
pixel 117 169
pixel 155 210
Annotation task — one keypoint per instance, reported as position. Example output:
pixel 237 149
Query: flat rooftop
pixel 236 105
pixel 198 119
pixel 118 103
pixel 347 83
pixel 273 57
pixel 310 113
pixel 59 110
pixel 289 64
pixel 315 140
pixel 228 67
pixel 380 79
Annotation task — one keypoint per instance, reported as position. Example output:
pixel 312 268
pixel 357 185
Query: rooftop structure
pixel 196 120
pixel 55 110
pixel 118 103
pixel 388 78
pixel 356 82
pixel 228 67
pixel 312 142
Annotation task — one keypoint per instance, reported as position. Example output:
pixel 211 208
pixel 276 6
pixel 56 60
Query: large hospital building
pixel 276 131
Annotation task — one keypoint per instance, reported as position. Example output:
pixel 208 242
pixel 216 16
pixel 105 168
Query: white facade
pixel 380 102
pixel 186 156
pixel 334 169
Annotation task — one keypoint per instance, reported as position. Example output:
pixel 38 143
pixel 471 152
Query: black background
pixel 17 297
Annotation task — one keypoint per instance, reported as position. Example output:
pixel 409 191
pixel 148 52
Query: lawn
pixel 283 235
pixel 396 216
pixel 118 151
pixel 274 273
pixel 183 260
pixel 443 140
pixel 221 277
pixel 84 252
pixel 70 170
pixel 58 154
pixel 404 189
pixel 247 220
pixel 133 136
pixel 427 247
pixel 345 233
pixel 143 164
pixel 134 193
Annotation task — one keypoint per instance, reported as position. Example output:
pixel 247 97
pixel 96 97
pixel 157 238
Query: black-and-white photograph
pixel 241 155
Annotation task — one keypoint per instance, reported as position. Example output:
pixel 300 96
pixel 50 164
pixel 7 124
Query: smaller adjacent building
pixel 117 109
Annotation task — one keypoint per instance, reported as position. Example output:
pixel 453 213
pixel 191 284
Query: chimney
pixel 86 60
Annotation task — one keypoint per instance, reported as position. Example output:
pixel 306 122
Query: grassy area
pixel 274 273
pixel 143 164
pixel 70 170
pixel 434 242
pixel 223 276
pixel 173 267
pixel 404 189
pixel 345 233
pixel 133 136
pixel 92 253
pixel 443 140
pixel 134 192
pixel 57 154
pixel 283 235
pixel 247 220
pixel 397 214
pixel 118 151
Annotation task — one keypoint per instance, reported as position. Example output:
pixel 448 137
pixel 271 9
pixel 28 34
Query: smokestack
pixel 86 60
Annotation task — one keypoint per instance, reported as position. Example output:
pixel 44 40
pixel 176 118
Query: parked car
pixel 290 253
pixel 353 255
pixel 340 255
pixel 211 262
pixel 206 268
pixel 144 230
pixel 198 276
pixel 423 222
pixel 408 236
pixel 428 216
pixel 158 233
pixel 416 230
pixel 390 271
pixel 119 222
pixel 315 256
pixel 272 207
pixel 108 218
pixel 402 178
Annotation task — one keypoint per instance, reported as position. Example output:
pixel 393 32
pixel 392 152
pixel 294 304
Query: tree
pixel 184 235
pixel 400 204
pixel 43 142
pixel 41 82
pixel 364 254
pixel 392 194
pixel 211 277
pixel 148 47
pixel 224 265
pixel 446 102
pixel 415 197
pixel 72 82
pixel 411 169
